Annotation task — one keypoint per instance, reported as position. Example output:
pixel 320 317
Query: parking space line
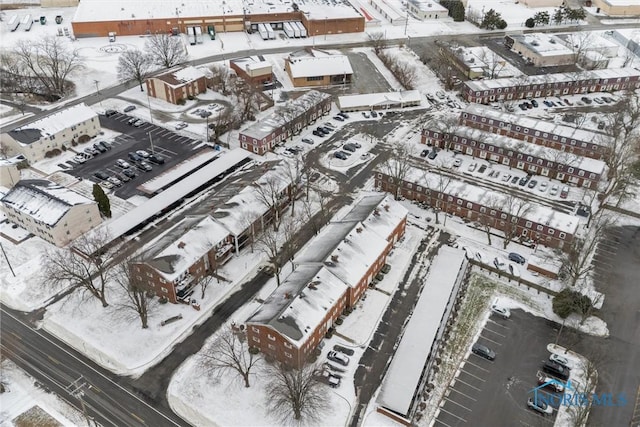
pixel 488 339
pixel 474 376
pixel 443 423
pixel 467 384
pixel 493 322
pixel 463 394
pixel 456 403
pixel 494 332
pixel 477 366
pixel 453 415
pixel 168 151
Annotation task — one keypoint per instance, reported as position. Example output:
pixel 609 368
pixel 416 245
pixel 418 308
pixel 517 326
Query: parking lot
pixel 171 146
pixel 495 392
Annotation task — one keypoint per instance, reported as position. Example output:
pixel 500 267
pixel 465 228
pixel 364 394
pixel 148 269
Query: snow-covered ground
pixel 25 404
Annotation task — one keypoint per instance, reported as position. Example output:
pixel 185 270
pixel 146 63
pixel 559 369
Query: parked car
pixel 138 123
pixel 482 168
pixel 134 157
pixel 514 180
pixel 506 178
pixel 500 263
pixel 122 164
pixel 129 172
pixel 91 151
pixel 543 186
pixel 564 193
pixel 516 257
pixel 122 177
pixel 340 155
pixel 540 407
pixel 598 100
pixel 424 153
pixel 316 133
pixel 132 120
pixel 329 378
pixel 534 103
pixel 569 103
pixel 551 383
pixel 99 147
pixel 142 154
pixel 556 370
pixel 586 100
pixel 145 166
pixel 457 163
pixel 532 183
pixel 307 141
pixel 340 358
pixel 514 270
pixel 385 269
pixel 483 351
pixel 326 129
pixel 115 181
pixel 101 175
pixel 345 350
pixel 110 113
pixel 349 147
pixel 433 154
pixel 105 144
pixel 560 360
pixel 204 114
pixel 157 159
pixel 181 125
pixel 338 118
pixel 129 108
pixel 365 114
pixel 554 190
pixel 343 115
pixel 472 167
pixel 440 94
pixel 106 184
pixel 374 114
pixel 501 311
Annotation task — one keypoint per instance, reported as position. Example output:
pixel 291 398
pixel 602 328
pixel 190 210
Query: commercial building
pixel 480 62
pixel 379 101
pixel 389 11
pixel 517 218
pixel 549 134
pixel 252 69
pixel 97 18
pixel 427 9
pixel 541 49
pixel 178 85
pixel 56 131
pixel 287 120
pixel 542 3
pixel 485 91
pixel 618 7
pixel 329 275
pixel 531 158
pixel 10 170
pixel 317 68
pixel 50 211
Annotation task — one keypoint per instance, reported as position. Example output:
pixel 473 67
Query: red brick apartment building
pixel 534 159
pixel 178 85
pixel 287 120
pixel 503 212
pixel 549 134
pixel 607 80
pixel 330 274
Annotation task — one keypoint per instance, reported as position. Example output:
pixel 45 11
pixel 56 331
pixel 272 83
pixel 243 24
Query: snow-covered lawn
pixel 25 404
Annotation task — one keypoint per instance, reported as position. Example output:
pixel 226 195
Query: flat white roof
pixel 428 6
pixel 53 123
pixel 402 378
pixel 179 170
pixel 481 59
pixel 310 66
pixel 543 44
pixel 379 99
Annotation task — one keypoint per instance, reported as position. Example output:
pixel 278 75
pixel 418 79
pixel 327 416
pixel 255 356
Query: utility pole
pixel 9 263
pixel 76 389
pixel 151 142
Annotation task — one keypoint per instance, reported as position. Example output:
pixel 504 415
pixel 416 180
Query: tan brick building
pixel 318 69
pixel 252 69
pixel 178 85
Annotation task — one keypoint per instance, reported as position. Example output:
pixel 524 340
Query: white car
pixel 501 311
pixel 472 167
pixel 79 159
pixel 106 184
pixel 543 186
pixel 560 360
pixel 457 163
pixel 115 181
pixel 181 125
pixel 554 190
pixel 142 154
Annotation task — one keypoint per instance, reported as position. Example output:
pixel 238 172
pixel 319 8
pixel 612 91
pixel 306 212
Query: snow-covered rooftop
pixel 43 200
pixel 181 169
pixel 405 371
pixel 52 124
pixel 484 197
pixel 182 76
pixel 539 151
pixel 428 6
pixel 609 73
pixel 551 128
pixel 378 212
pixel 263 128
pixel 481 59
pixel 122 10
pixel 301 302
pixel 310 66
pixel 543 44
pixel 251 63
pixel 178 248
pixel 370 100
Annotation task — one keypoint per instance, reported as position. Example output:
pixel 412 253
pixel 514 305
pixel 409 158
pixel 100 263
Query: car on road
pixel 142 154
pixel 483 351
pixel 501 311
pixel 556 369
pixel 457 163
pixel 500 263
pixel 145 166
pixel 157 159
pixel 181 125
pixel 564 192
pixel 540 407
pixel 342 349
pixel 101 175
pixel 340 358
pixel 99 147
pixel 307 141
pixel 424 153
pixel 115 181
pixel 129 108
pixel 129 172
pixel 516 257
pixel 91 151
pixel 554 190
pixel 340 155
pixel 110 113
pixel 560 360
pixel 122 164
pixel 433 154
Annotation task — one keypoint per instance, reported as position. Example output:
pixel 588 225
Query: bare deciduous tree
pixel 406 74
pixel 166 50
pixel 268 191
pixel 440 62
pixel 493 63
pixel 90 271
pixel 230 353
pixel 398 166
pixel 294 396
pixel 515 208
pixel 278 245
pixel 248 96
pixel 138 297
pixel 377 41
pixel 220 79
pixel 50 63
pixel 134 65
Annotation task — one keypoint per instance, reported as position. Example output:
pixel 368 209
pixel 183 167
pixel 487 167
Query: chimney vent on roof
pixel 386 208
pixel 334 258
pixel 287 295
pixel 359 230
pixel 376 212
pixel 181 245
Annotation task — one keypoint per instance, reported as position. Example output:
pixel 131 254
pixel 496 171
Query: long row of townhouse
pixel 287 120
pixel 534 159
pixel 516 217
pixel 541 132
pixel 330 275
pixel 506 89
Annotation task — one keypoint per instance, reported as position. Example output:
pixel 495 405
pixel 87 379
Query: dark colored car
pixel 555 369
pixel 101 175
pixel 338 358
pixel 433 154
pixel 349 147
pixel 344 115
pixel 316 133
pixel 523 181
pixel 110 113
pixel 516 257
pixel 340 155
pixel 129 108
pixel 424 153
pixel 99 147
pixel 134 157
pixel 105 144
pixel 129 172
pixel 482 168
pixel 532 183
pixel 514 179
pixel 345 350
pixel 483 351
pixel 534 103
pixel 586 100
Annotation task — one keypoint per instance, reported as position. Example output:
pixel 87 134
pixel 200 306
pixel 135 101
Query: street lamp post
pixel 325 27
pixel 207 130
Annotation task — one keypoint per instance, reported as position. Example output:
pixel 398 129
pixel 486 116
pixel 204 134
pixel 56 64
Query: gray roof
pixel 26 136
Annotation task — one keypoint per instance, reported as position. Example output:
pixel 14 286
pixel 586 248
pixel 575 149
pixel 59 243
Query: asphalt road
pixel 57 368
pixel 506 382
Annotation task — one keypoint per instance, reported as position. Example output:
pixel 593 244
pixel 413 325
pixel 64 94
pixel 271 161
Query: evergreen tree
pixel 530 23
pixel 493 20
pixel 102 200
